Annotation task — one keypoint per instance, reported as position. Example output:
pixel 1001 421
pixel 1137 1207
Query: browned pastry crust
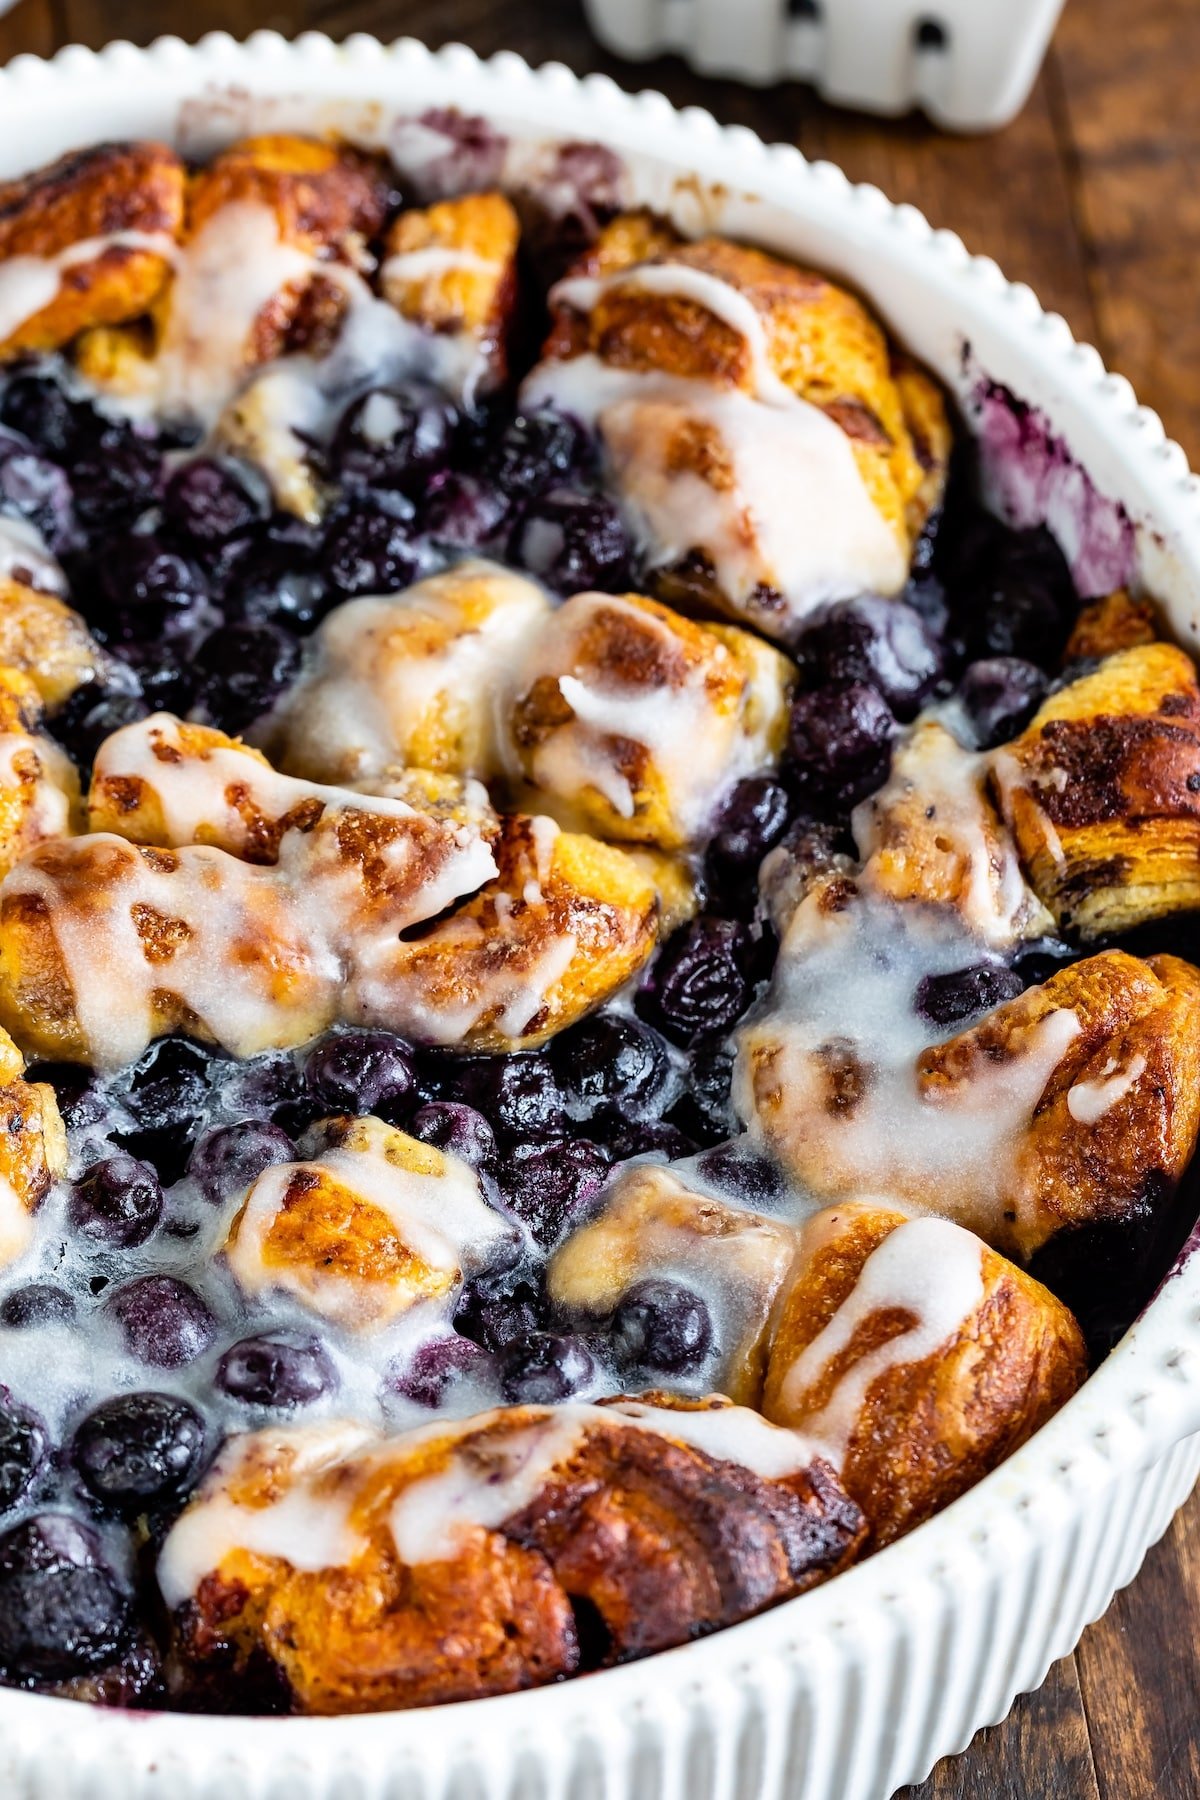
pixel 822 342
pixel 1139 1029
pixel 1114 622
pixel 33 1148
pixel 39 788
pixel 926 1430
pixel 85 195
pixel 476 295
pixel 649 1540
pixel 1102 793
pixel 43 638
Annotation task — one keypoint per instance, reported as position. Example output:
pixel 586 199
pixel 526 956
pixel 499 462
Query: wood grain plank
pixel 1041 1749
pixel 29 30
pixel 1128 92
pixel 1140 1675
pixel 97 22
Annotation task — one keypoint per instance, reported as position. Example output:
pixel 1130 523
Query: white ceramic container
pixel 860 1686
pixel 969 63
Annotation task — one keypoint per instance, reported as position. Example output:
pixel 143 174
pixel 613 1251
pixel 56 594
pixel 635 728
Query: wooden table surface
pixel 1093 197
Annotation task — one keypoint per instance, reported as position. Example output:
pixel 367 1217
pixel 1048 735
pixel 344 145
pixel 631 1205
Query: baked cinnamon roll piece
pixel 1102 793
pixel 46 640
pixel 654 1226
pixel 751 422
pixel 410 678
pixel 637 722
pixel 33 1150
pixel 1115 622
pixel 451 269
pixel 88 241
pixel 39 788
pixel 373 1224
pixel 914 1359
pixel 649 1522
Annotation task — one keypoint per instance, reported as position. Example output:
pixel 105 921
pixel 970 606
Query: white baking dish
pixel 969 63
pixel 859 1687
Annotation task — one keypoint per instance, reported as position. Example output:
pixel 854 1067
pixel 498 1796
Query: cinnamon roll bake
pixel 597 1012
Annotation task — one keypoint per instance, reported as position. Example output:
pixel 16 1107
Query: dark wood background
pixel 1093 197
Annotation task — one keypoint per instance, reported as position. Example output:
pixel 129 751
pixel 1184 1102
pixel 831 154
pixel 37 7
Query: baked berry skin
pixel 138 1451
pixel 242 670
pixel 1011 590
pixel 93 713
pixel 38 491
pixel 550 1187
pixel 537 451
pixel 662 1327
pixel 276 1371
pixel 164 1322
pixel 209 503
pixel 699 988
pixel 458 1129
pixel 38 1303
pixel 118 1201
pixel 37 408
pixel 24 1443
pixel 363 1072
pixel 394 438
pixel 965 993
pixel 999 695
pixel 659 1138
pixel 369 549
pixel 440 1365
pixel 751 823
pixel 839 746
pixel 230 1159
pixel 464 511
pixel 575 543
pixel 63 1609
pixel 141 586
pixel 609 1060
pixel 518 1095
pixel 541 1368
pixel 705 1109
pixel 885 643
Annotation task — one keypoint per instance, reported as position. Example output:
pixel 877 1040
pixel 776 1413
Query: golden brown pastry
pixel 636 722
pixel 1102 793
pixel 372 1225
pixel 409 678
pixel 750 418
pixel 654 1225
pixel 87 241
pixel 452 269
pixel 39 788
pixel 659 1522
pixel 915 1359
pixel 1114 622
pixel 43 638
pixel 33 1150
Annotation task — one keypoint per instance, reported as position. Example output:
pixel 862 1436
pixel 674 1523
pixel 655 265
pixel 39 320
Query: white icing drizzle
pixel 929 1268
pixel 441 1219
pixel 790 513
pixel 24 557
pixel 433 261
pixel 482 1484
pixel 39 776
pixel 1088 1101
pixel 29 284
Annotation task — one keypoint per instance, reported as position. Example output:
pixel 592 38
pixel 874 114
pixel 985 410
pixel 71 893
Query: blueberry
pixel 242 670
pixel 117 1201
pixel 574 543
pixel 142 583
pixel 963 994
pixel 457 1129
pixel 269 1089
pixel 38 1303
pixel 276 1371
pixel 362 1072
pixel 439 1365
pixel 168 1095
pixel 1015 594
pixel 206 503
pixel 751 823
pixel 662 1326
pixel 38 491
pixel 540 1368
pixel 37 408
pixel 272 580
pixel 517 1094
pixel 999 696
pixel 228 1161
pixel 164 1322
pixel 62 1608
pixel 369 549
pixel 551 1187
pixel 705 1111
pixel 538 451
pixel 394 438
pixel 92 714
pixel 138 1451
pixel 117 478
pixel 839 745
pixel 884 643
pixel 752 1180
pixel 699 986
pixel 464 511
pixel 650 1137
pixel 492 1315
pixel 23 1447
pixel 81 1101
pixel 609 1060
